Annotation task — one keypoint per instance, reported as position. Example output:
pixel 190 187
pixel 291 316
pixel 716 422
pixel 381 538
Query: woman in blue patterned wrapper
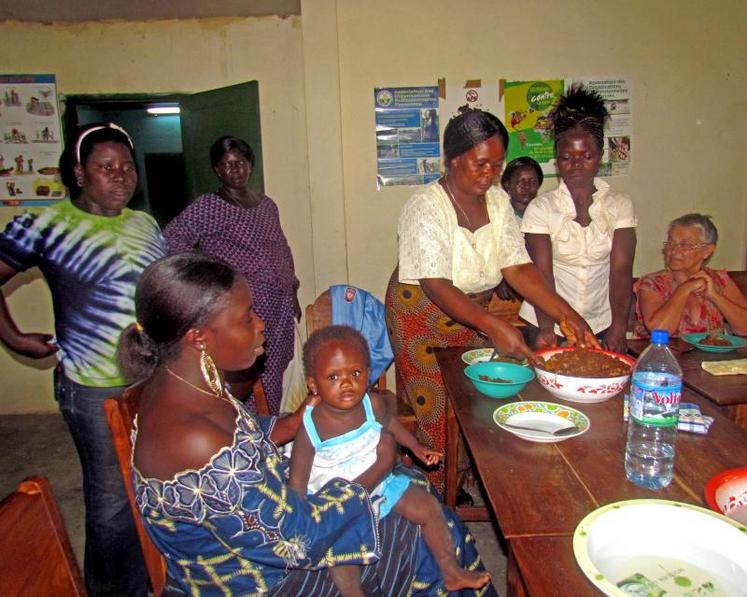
pixel 210 483
pixel 91 251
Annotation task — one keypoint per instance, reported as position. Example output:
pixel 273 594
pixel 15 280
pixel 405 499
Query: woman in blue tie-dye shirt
pixel 91 251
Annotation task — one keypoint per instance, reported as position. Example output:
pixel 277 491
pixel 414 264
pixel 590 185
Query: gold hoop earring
pixel 210 373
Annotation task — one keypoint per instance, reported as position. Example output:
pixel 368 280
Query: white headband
pixel 108 125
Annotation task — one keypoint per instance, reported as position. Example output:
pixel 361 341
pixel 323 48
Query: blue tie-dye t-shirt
pixel 92 264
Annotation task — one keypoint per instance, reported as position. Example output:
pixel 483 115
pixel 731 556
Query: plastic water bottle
pixel 655 392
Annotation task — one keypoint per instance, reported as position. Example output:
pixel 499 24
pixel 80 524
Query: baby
pixel 339 438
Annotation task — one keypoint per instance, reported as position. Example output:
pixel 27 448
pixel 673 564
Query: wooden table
pixel 538 493
pixel 727 391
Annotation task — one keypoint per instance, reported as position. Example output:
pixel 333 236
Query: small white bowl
pixel 582 389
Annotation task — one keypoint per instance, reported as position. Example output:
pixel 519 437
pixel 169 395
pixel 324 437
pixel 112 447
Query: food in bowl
pixel 494 379
pixel 512 378
pixel 583 388
pixel 715 340
pixel 582 362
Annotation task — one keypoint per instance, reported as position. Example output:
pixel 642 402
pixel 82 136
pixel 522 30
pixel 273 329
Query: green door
pixel 211 114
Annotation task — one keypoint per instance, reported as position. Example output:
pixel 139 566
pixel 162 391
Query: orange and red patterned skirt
pixel 416 325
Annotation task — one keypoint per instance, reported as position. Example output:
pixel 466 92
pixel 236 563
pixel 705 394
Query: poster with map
pixel 30 140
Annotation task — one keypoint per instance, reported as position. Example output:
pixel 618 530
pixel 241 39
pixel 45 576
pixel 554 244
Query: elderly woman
pixel 581 236
pixel 687 296
pixel 91 251
pixel 242 227
pixel 458 238
pixel 210 482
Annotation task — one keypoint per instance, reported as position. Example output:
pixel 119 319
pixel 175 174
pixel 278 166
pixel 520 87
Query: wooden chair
pixel 120 414
pixel 506 309
pixel 740 279
pixel 319 315
pixel 35 551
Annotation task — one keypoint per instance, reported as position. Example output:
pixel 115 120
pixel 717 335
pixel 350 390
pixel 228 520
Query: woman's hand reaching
pixel 507 339
pixel 577 331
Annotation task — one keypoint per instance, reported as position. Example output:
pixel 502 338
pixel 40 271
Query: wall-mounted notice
pixel 619 132
pixel 30 140
pixel 407 143
pixel 526 105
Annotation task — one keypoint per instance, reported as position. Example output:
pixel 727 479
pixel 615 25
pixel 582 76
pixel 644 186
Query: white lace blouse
pixel 433 245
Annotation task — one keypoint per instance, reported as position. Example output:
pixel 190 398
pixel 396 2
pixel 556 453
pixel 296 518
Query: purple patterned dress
pixel 251 240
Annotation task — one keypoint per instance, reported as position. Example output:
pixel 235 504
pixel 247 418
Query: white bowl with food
pixel 583 375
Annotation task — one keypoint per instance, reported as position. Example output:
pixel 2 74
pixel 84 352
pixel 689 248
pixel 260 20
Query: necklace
pixel 198 388
pixel 459 207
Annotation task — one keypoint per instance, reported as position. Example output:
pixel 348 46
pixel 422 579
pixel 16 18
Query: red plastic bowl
pixel 726 493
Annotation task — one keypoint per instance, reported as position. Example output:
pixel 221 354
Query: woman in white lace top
pixel 458 238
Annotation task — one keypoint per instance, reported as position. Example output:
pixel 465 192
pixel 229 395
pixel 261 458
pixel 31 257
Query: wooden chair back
pixel 740 279
pixel 35 551
pixel 319 315
pixel 120 414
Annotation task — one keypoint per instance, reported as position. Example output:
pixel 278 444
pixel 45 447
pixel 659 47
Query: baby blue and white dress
pixel 350 454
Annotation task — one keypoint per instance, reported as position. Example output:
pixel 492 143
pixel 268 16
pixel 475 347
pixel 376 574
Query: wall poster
pixel 526 105
pixel 31 140
pixel 407 141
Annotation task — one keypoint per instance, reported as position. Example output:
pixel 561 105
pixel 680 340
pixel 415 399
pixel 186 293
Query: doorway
pixel 161 189
pixel 172 150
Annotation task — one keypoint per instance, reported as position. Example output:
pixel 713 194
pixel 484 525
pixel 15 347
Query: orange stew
pixel 580 362
pixel 714 340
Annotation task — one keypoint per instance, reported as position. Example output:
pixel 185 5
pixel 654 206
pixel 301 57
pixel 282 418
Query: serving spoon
pixel 557 433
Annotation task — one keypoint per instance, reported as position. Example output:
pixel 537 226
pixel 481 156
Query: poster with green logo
pixel 527 104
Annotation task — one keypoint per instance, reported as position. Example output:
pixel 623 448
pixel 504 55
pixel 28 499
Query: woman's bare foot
pixel 457 578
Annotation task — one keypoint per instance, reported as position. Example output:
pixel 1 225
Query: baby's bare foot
pixel 458 578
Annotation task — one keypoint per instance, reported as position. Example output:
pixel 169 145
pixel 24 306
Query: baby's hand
pixel 428 456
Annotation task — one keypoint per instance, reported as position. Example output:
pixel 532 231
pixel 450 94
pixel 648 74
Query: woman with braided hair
pixel 458 238
pixel 581 235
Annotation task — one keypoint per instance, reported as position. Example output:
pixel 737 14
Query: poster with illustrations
pixel 407 139
pixel 30 140
pixel 526 105
pixel 619 131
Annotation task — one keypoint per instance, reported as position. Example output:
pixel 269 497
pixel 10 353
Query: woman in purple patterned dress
pixel 242 227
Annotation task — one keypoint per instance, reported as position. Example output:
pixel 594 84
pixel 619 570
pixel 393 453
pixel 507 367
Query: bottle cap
pixel 660 337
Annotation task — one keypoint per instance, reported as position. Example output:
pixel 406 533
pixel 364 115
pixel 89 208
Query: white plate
pixel 684 550
pixel 542 415
pixel 480 355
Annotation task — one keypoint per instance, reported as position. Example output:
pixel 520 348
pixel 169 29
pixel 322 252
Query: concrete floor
pixel 41 445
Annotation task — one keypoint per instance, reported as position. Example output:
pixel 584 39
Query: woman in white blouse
pixel 458 238
pixel 581 236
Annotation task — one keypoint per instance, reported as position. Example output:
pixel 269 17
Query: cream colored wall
pixel 159 57
pixel 685 60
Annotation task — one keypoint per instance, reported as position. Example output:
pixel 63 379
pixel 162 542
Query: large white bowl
pixel 581 389
pixel 651 546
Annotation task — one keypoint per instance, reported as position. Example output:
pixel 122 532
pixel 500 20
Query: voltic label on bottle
pixel 664 404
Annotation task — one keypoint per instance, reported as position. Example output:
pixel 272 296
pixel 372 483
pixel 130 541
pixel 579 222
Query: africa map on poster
pixel 30 140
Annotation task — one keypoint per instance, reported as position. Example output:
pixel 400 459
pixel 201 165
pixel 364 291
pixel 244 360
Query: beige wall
pixel 158 57
pixel 685 60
